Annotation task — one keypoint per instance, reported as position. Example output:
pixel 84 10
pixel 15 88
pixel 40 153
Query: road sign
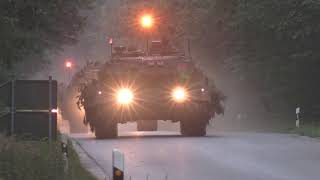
pixel 29 94
pixel 31 103
pixel 31 124
pixel 118 165
pixel 5 94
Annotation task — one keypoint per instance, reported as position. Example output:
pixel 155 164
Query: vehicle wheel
pixel 106 129
pixel 144 125
pixel 195 123
pixel 190 128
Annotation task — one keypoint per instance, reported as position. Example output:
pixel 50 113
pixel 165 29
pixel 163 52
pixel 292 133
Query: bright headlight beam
pixel 54 110
pixel 124 96
pixel 179 94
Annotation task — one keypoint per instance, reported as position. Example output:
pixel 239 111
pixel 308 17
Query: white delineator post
pixel 117 165
pixel 298 118
pixel 64 149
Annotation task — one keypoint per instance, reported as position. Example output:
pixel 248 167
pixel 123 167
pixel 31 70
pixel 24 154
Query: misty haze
pixel 159 89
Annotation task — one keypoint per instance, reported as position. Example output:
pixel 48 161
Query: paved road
pixel 221 156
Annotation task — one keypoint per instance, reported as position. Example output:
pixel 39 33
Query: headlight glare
pixel 124 96
pixel 179 94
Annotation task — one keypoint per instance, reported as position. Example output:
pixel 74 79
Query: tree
pixel 31 29
pixel 272 44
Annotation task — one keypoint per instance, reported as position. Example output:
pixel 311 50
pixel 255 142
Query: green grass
pixel 307 130
pixel 37 160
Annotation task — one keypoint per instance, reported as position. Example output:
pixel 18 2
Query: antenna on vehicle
pixel 189 48
pixel 110 41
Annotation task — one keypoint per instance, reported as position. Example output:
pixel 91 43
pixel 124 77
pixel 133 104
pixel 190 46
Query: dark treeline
pixel 273 44
pixel 30 30
pixel 270 43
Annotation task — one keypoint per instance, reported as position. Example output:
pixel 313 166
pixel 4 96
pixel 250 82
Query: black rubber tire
pixel 106 132
pixel 190 128
pixel 147 125
pixel 195 122
pixel 106 129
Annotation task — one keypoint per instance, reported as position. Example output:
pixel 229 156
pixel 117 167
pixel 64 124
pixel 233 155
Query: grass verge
pixel 307 130
pixel 37 160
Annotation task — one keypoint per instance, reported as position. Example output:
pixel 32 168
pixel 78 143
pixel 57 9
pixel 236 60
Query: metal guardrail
pixel 95 161
pixel 107 175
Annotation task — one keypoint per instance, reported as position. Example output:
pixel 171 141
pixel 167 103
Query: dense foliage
pixel 29 30
pixel 272 44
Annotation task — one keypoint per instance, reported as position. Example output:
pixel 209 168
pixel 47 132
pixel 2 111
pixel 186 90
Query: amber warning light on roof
pixel 147 21
pixel 68 64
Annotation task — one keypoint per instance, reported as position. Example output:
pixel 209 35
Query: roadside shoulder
pixel 89 162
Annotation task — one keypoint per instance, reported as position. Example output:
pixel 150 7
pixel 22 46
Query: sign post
pixel 298 117
pixel 13 109
pixel 118 165
pixel 33 105
pixel 50 108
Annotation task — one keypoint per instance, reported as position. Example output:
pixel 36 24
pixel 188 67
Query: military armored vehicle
pixel 142 87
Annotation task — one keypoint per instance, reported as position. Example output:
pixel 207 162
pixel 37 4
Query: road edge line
pixel 81 151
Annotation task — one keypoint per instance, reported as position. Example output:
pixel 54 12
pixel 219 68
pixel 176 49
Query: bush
pixel 311 129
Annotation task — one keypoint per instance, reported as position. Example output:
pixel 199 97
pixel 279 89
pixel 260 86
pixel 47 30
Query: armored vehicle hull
pixel 149 88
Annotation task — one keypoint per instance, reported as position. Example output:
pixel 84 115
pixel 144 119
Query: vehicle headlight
pixel 124 96
pixel 179 94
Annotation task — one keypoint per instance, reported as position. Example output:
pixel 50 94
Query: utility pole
pixel 13 106
pixel 147 23
pixel 68 66
pixel 111 46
